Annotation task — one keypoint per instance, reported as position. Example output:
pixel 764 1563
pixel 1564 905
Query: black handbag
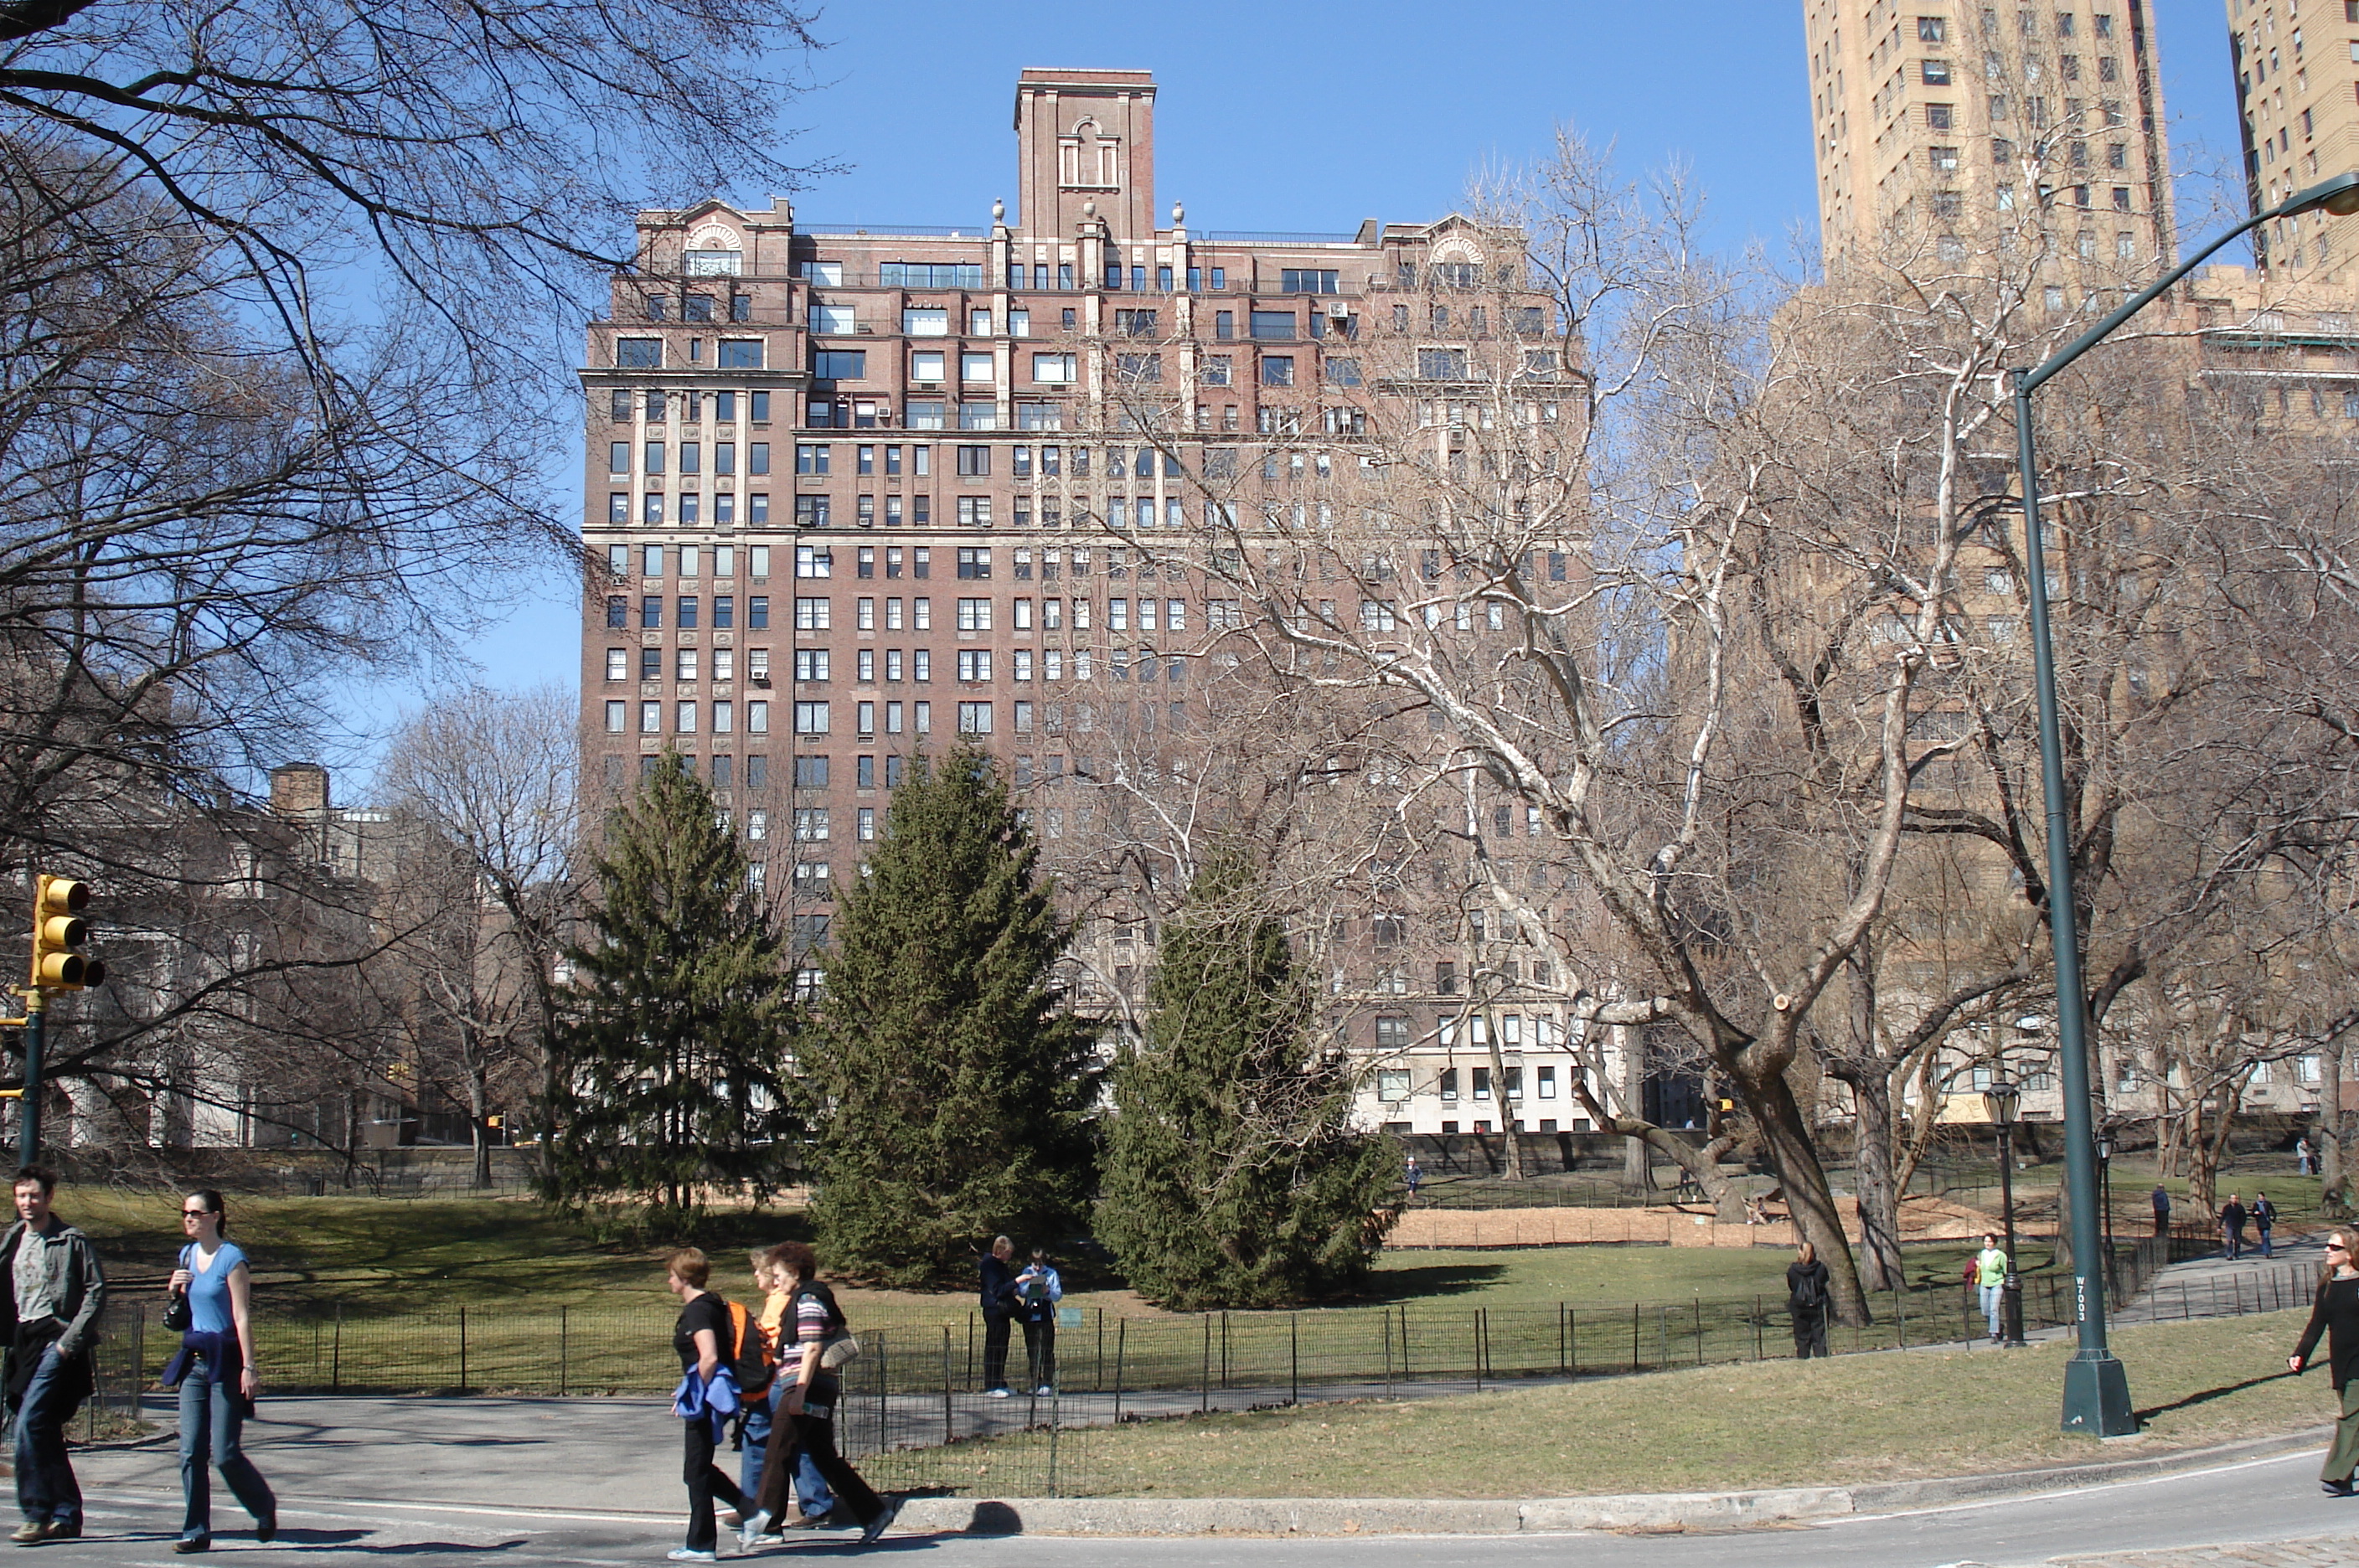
pixel 179 1316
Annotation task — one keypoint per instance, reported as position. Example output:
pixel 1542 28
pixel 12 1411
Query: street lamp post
pixel 2105 1198
pixel 2097 1389
pixel 2001 1099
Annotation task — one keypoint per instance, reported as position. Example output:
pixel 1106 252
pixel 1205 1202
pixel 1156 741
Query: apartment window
pixel 1939 117
pixel 840 364
pixel 1944 159
pixel 975 564
pixel 924 321
pixel 1134 323
pixel 1936 73
pixel 973 461
pixel 1275 326
pixel 810 718
pixel 973 664
pixel 810 665
pixel 1932 29
pixel 1277 370
pixel 1441 364
pixel 811 614
pixel 975 718
pixel 639 354
pixel 757 611
pixel 1344 373
pixel 740 354
pixel 977 367
pixel 1133 369
pixel 1053 369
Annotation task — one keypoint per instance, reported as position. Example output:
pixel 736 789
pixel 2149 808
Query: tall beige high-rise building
pixel 2297 65
pixel 1938 121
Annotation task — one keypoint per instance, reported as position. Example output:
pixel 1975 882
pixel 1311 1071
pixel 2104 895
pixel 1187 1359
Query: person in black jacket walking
pixel 2232 1227
pixel 999 1306
pixel 1806 1302
pixel 2335 1313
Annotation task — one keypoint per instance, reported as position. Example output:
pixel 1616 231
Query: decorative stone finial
pixel 998 211
pixel 1089 208
pixel 1179 214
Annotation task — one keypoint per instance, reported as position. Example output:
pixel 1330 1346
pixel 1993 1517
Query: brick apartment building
pixel 861 492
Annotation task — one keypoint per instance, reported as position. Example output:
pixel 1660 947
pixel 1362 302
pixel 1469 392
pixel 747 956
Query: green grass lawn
pixel 1851 1419
pixel 378 1257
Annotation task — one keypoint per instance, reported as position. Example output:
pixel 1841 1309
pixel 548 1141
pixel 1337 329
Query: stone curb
pixel 1646 1511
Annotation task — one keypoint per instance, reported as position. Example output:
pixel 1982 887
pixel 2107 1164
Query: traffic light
pixel 59 931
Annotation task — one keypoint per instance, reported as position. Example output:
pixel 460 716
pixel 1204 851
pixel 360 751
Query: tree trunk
pixel 1879 1198
pixel 1637 1163
pixel 1511 1157
pixel 2334 1150
pixel 1808 1198
pixel 479 1107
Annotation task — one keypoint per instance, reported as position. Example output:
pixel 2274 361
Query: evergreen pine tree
pixel 1234 1176
pixel 952 1091
pixel 666 1052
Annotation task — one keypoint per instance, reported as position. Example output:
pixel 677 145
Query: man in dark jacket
pixel 52 1323
pixel 999 1304
pixel 2232 1227
pixel 2162 1210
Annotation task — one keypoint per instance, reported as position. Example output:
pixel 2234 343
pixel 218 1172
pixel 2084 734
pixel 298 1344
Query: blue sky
pixel 1317 116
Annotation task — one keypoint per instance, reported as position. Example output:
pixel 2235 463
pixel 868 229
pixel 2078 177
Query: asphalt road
pixel 530 1483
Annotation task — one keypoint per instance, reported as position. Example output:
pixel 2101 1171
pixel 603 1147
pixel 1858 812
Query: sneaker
pixel 997 1393
pixel 29 1532
pixel 63 1528
pixel 267 1531
pixel 750 1530
pixel 877 1526
pixel 188 1548
pixel 690 1555
pixel 729 1517
pixel 1044 1390
pixel 2338 1489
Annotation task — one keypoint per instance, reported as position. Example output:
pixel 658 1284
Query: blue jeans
pixel 2265 1242
pixel 1991 1294
pixel 210 1419
pixel 46 1488
pixel 810 1486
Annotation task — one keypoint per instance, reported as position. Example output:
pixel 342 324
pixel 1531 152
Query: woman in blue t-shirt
pixel 215 1370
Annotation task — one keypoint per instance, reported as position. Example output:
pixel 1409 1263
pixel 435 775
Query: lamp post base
pixel 2097 1395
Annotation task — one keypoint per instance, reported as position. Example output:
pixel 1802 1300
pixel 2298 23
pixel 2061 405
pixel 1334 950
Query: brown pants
pixel 2343 1457
pixel 791 1435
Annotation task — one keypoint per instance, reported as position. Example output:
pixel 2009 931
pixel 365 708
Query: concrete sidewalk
pixel 618 1460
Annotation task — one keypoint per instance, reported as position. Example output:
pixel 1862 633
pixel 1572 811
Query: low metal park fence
pixel 917 1416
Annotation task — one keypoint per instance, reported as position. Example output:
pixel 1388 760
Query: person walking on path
pixel 2302 1156
pixel 2162 1210
pixel 700 1336
pixel 2232 1227
pixel 58 1291
pixel 812 1390
pixel 2335 1313
pixel 999 1306
pixel 1413 1175
pixel 811 1487
pixel 217 1376
pixel 759 1405
pixel 1990 1279
pixel 1806 1302
pixel 1040 1289
pixel 2265 1220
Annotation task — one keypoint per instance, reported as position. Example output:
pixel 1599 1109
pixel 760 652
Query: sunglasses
pixel 194 1214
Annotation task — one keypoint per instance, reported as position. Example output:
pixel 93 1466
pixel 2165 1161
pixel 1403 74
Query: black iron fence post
pixel 564 1350
pixel 463 1347
pixel 1121 1344
pixel 336 1367
pixel 1294 1358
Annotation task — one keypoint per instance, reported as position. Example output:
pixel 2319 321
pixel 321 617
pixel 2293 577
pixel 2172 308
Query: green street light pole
pixel 2097 1389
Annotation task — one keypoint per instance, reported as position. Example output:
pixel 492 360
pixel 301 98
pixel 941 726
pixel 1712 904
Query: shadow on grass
pixel 2208 1395
pixel 1392 1286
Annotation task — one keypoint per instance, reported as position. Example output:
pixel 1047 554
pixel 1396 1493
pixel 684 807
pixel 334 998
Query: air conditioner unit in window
pixel 1339 309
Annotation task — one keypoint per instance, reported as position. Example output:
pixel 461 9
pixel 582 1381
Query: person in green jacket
pixel 1990 1278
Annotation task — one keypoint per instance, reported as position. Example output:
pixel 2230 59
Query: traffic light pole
pixel 28 1107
